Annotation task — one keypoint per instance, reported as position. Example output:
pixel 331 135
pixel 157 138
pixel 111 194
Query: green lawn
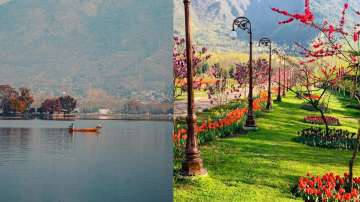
pixel 264 164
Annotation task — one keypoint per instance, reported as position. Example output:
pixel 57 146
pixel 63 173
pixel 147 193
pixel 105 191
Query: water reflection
pixel 56 141
pixel 128 161
pixel 14 144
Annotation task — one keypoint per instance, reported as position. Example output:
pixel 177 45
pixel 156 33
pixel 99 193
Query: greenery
pixel 309 107
pixel 337 139
pixel 264 164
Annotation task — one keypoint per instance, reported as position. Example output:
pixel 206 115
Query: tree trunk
pixel 355 83
pixel 327 130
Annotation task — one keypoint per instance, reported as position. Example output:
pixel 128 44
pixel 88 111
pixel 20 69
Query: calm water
pixel 129 161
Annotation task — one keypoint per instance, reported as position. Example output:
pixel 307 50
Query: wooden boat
pixel 85 130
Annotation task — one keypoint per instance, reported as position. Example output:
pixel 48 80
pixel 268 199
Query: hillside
pixel 117 47
pixel 213 30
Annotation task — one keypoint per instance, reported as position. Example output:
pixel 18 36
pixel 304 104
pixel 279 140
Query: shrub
pixel 310 107
pixel 329 187
pixel 353 106
pixel 338 139
pixel 319 120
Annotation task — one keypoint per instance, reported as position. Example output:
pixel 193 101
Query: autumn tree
pixel 51 106
pixel 14 101
pixel 68 103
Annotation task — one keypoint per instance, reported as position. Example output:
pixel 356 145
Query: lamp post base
pixel 268 107
pixel 268 110
pixel 250 123
pixel 193 167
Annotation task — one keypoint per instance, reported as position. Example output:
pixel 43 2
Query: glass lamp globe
pixel 233 34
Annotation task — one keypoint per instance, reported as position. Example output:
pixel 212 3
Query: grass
pixel 263 165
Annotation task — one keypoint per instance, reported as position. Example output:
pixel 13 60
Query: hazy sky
pixel 4 1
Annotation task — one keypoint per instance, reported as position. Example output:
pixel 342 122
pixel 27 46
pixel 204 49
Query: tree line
pixel 13 101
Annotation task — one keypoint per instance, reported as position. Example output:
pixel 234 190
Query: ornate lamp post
pixel 267 42
pixel 288 80
pixel 291 80
pixel 245 24
pixel 284 75
pixel 278 98
pixel 193 164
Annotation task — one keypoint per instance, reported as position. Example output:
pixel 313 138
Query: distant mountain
pixel 212 19
pixel 119 47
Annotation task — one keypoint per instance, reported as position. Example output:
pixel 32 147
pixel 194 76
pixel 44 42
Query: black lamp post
pixel 284 75
pixel 278 98
pixel 245 24
pixel 267 42
pixel 193 164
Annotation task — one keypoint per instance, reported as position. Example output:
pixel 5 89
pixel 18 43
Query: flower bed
pixel 327 188
pixel 312 97
pixel 318 120
pixel 338 139
pixel 216 125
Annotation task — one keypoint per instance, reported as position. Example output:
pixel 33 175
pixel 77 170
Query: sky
pixel 4 1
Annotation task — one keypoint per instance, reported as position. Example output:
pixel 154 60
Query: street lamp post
pixel 245 24
pixel 284 75
pixel 288 80
pixel 291 80
pixel 193 164
pixel 267 42
pixel 278 98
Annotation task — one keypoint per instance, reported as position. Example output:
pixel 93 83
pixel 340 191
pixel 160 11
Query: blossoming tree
pixel 338 40
pixel 241 73
pixel 179 63
pixel 218 92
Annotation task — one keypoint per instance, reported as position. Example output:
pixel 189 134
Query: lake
pixel 128 161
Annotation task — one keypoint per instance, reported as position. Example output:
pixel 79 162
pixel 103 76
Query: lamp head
pixel 233 34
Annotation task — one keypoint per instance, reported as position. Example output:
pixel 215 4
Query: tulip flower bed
pixel 318 120
pixel 327 188
pixel 217 125
pixel 312 97
pixel 338 139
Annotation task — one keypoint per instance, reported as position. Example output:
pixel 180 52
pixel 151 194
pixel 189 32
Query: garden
pixel 307 110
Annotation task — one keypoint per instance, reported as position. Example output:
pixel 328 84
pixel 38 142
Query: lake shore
pixel 73 117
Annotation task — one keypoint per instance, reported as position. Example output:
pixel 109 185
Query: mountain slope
pixel 217 16
pixel 76 45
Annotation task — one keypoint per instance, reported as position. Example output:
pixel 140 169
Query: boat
pixel 85 130
pixel 72 129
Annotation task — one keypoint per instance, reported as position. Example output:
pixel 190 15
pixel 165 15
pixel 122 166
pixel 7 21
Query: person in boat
pixel 72 126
